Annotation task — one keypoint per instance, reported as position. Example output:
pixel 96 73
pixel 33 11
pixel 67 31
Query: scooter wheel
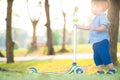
pixel 33 70
pixel 79 70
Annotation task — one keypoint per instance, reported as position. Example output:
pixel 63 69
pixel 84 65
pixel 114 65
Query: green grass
pixel 44 76
pixel 118 47
pixel 82 48
pixel 46 66
pixel 17 52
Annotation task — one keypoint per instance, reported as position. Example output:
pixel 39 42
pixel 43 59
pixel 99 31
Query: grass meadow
pixel 55 69
pixel 82 48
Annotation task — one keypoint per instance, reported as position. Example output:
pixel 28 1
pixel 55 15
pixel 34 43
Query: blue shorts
pixel 101 53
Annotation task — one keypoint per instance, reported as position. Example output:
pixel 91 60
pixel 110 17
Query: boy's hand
pixel 76 25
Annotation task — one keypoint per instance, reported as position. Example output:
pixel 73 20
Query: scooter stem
pixel 75 42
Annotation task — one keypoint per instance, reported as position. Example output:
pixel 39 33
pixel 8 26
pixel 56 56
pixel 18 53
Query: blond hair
pixel 103 4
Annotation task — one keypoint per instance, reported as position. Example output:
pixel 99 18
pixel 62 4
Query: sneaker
pixel 111 71
pixel 100 72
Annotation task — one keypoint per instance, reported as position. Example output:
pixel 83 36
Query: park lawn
pixel 82 48
pixel 45 76
pixel 46 66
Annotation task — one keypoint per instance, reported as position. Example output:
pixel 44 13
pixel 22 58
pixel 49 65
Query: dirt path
pixel 52 57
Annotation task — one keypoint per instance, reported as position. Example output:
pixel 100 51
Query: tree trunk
pixel 113 15
pixel 34 37
pixel 64 35
pixel 9 42
pixel 49 31
pixel 34 21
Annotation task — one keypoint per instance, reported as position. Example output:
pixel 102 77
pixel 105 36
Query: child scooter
pixel 75 68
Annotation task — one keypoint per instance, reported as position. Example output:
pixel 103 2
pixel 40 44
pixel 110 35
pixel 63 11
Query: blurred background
pixel 61 16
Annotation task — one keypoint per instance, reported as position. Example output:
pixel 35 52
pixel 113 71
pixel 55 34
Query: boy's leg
pixel 110 66
pixel 97 59
pixel 111 70
pixel 100 68
pixel 104 52
pixel 105 56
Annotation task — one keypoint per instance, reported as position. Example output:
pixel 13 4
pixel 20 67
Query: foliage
pixel 2 39
pixel 19 37
pixel 16 46
pixel 56 37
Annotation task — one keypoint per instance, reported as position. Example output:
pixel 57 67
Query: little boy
pixel 99 37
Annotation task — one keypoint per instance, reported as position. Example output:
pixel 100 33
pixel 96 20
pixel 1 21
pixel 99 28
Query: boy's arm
pixel 98 29
pixel 83 27
pixel 91 27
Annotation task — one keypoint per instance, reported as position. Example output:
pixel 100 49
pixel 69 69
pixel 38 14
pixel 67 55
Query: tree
pixel 34 10
pixel 49 31
pixel 64 34
pixel 113 15
pixel 9 42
